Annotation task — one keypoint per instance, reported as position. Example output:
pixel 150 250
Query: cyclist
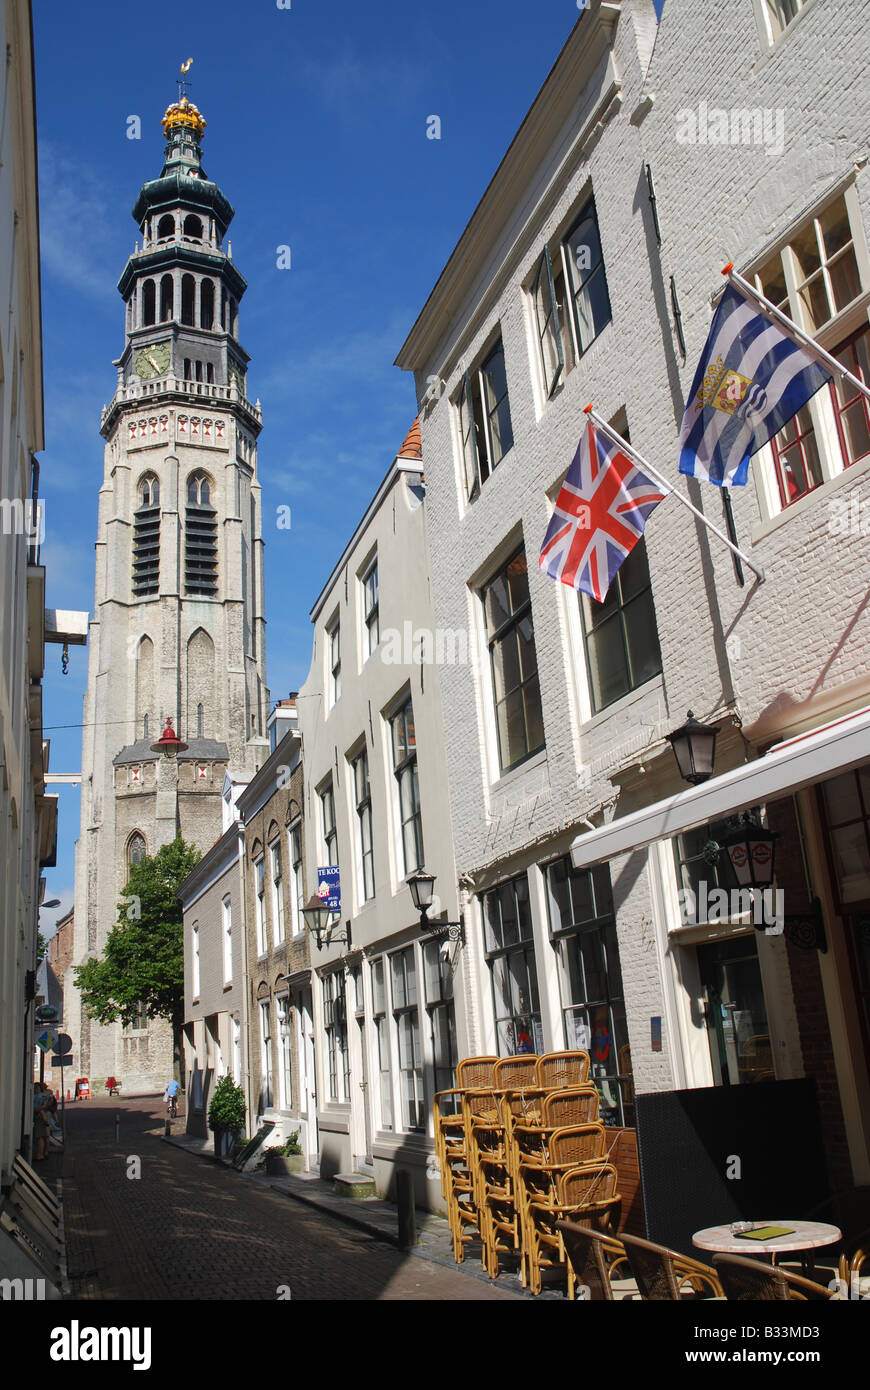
pixel 171 1097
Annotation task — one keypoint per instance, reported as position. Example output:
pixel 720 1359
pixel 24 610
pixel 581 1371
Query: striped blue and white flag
pixel 752 378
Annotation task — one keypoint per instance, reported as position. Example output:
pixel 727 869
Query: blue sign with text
pixel 329 887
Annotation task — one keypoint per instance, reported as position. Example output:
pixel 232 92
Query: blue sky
pixel 317 119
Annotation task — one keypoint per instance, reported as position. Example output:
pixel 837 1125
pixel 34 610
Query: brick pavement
pixel 189 1229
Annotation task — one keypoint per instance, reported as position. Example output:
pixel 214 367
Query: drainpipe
pixel 246 1066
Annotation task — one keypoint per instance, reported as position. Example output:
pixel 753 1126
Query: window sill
pixel 772 47
pixel 516 773
pixel 623 703
pixel 802 504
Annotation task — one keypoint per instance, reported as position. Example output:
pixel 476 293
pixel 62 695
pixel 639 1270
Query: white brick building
pixel 603 189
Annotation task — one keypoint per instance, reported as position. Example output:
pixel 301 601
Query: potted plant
pixel 226 1114
pixel 285 1158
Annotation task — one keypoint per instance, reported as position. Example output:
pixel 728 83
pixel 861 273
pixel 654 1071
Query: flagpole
pixel 749 291
pixel 671 490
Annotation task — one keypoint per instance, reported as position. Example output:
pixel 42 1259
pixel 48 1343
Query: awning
pixel 789 766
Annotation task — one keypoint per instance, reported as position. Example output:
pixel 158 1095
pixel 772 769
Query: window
pixel 285 1090
pixel 510 955
pixel 140 1016
pixel 260 905
pixel 548 323
pixel 379 1018
pixel 846 807
pixel 297 887
pixel 407 1018
pixel 265 1057
pixel 335 1027
pixel 621 636
pixel 701 872
pixel 405 770
pixel 438 977
pixel 814 279
pixel 364 851
pixel 333 634
pixel 514 663
pixel 227 912
pixel 370 609
pixel 195 972
pixel 277 895
pixel 146 538
pixel 583 265
pixel 484 419
pixel 200 541
pixel 136 851
pixel 330 834
pixel 583 932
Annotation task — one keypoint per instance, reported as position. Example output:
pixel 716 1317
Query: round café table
pixel 805 1235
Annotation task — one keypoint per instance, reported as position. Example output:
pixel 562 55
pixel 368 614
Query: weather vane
pixel 182 83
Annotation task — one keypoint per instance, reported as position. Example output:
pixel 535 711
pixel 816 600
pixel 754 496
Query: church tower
pixel 178 632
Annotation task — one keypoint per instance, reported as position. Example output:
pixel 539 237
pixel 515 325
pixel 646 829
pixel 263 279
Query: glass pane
pixel 494 379
pixel 842 802
pixel 773 284
pixel 501 431
pixel 593 966
pixel 806 252
pixel 559 894
pixel 511 730
pixel 573 990
pixel 593 308
pixel 510 925
pixel 607 663
pixel 378 993
pixel 533 715
pixel 852 862
pixel 432 970
pixel 492 922
pixel 836 232
pixel 518 581
pixel 506 672
pixel 642 639
pixel 815 300
pixel 845 280
pixel 496 603
pixel 399 998
pixel 524 914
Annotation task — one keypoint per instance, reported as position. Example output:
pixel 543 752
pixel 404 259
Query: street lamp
pixel 694 744
pixel 751 847
pixel 422 887
pixel 169 744
pixel 317 916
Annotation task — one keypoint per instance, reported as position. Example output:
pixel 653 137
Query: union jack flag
pixel 600 514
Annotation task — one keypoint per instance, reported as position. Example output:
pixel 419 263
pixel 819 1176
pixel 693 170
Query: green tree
pixel 143 959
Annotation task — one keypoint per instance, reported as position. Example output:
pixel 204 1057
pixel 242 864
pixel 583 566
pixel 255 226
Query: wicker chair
pixel 449 1122
pixel 499 1220
pixel 745 1280
pixel 513 1073
pixel 851 1267
pixel 593 1256
pixel 587 1195
pixel 661 1273
pixel 556 1070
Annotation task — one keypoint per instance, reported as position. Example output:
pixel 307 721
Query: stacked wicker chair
pixel 520 1149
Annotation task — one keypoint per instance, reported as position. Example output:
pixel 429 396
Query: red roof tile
pixel 413 445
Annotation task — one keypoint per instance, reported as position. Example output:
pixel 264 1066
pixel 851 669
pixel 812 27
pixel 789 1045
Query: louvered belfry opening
pixel 146 541
pixel 200 551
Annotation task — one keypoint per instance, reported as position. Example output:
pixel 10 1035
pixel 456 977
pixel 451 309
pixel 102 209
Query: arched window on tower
pixel 200 721
pixel 166 228
pixel 199 371
pixel 148 302
pixel 209 373
pixel 145 726
pixel 166 298
pixel 193 227
pixel 223 308
pixel 187 375
pixel 136 850
pixel 146 538
pixel 200 550
pixel 188 299
pixel 206 305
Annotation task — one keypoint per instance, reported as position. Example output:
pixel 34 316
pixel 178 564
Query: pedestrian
pixel 41 1126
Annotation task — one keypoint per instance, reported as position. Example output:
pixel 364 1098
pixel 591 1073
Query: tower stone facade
pixel 178 631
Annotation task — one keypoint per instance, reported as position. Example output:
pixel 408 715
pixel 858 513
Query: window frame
pixel 437 1006
pixel 267 1093
pixel 524 946
pixel 297 878
pixel 333 660
pixel 335 1030
pixel 277 888
pixel 382 1042
pixel 570 270
pixel 494 639
pixel 588 632
pixel 260 904
pixel 405 1015
pixel 476 442
pixel 371 608
pixel 363 817
pixel 284 1029
pixel 551 323
pixel 329 829
pixel 227 938
pixel 401 766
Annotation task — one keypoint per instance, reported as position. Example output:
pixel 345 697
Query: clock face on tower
pixel 152 360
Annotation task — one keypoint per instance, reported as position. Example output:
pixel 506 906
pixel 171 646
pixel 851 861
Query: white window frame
pixel 381 1034
pixel 297 883
pixel 277 891
pixel 195 971
pixel 328 790
pixel 362 808
pixel 284 1026
pixel 829 335
pixel 371 621
pixel 772 23
pixel 260 903
pixel 333 660
pixel 266 1053
pixel 400 1012
pixel 471 387
pixel 227 937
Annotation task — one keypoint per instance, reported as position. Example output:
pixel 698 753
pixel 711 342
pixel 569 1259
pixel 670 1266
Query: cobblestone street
pixel 188 1229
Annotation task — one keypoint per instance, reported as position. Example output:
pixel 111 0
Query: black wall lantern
pixel 318 920
pixel 694 746
pixel 751 847
pixel 422 886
